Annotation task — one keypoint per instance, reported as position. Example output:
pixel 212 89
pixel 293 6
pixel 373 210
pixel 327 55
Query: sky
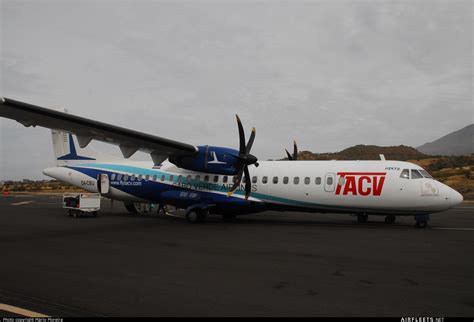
pixel 330 74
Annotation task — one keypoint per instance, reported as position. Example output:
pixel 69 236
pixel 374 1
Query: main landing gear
pixel 390 219
pixel 362 218
pixel 197 215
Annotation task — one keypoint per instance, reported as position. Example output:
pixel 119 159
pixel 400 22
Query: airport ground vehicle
pixel 81 204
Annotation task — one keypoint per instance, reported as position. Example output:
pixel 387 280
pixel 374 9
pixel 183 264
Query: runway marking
pixel 20 311
pixel 22 203
pixel 448 228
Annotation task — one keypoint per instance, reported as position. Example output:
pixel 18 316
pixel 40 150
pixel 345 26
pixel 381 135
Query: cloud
pixel 330 74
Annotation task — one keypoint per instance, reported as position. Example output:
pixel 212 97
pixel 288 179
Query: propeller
pixel 295 152
pixel 244 159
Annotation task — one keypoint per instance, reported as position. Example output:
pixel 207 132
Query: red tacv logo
pixel 360 183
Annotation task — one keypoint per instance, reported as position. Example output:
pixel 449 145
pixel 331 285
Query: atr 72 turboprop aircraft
pixel 208 179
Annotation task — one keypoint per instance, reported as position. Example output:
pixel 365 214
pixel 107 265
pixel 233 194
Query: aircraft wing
pixel 86 130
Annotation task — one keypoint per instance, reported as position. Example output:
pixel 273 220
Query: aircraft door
pixel 330 182
pixel 103 185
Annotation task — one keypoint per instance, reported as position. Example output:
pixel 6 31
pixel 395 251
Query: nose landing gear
pixel 422 221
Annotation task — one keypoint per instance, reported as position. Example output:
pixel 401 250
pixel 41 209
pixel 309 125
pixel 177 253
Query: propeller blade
pixel 250 142
pixel 248 183
pixel 241 136
pixel 289 155
pixel 295 150
pixel 237 182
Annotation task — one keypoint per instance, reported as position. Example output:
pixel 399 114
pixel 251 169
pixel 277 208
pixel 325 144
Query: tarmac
pixel 268 264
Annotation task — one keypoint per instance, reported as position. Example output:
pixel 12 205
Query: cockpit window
pixel 425 174
pixel 405 174
pixel 415 174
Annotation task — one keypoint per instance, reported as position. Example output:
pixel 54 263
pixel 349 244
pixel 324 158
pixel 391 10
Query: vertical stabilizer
pixel 67 151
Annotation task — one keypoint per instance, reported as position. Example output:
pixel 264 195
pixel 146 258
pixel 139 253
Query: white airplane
pixel 209 179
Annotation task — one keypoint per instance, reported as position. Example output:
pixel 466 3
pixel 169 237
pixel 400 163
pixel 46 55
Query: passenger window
pixel 147 177
pixel 296 180
pixel 132 178
pixel 119 176
pixel 125 177
pixel 163 177
pixel 234 179
pixel 405 174
pixel 254 179
pixel 307 180
pixel 275 180
pixel 112 177
pixel 285 180
pixel 140 177
pixel 206 178
pixel 415 174
pixel 180 178
pixel 264 179
pixel 329 181
pixel 224 179
pixel 188 179
pixel 198 177
pixel 318 180
pixel 216 178
pixel 155 177
pixel 171 178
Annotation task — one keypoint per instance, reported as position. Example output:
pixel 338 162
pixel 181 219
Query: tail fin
pixel 67 152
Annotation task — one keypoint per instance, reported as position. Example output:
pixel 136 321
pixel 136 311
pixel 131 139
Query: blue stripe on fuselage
pixel 152 190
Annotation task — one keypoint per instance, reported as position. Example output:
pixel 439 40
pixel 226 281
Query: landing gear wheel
pixel 362 218
pixel 390 219
pixel 421 224
pixel 193 217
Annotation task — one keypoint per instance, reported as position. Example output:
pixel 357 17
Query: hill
pixel 366 152
pixel 459 142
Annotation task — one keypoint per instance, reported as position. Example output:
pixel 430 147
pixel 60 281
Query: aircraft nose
pixel 453 197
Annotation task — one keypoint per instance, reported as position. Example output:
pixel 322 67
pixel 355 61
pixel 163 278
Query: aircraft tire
pixel 362 218
pixel 390 219
pixel 193 217
pixel 421 224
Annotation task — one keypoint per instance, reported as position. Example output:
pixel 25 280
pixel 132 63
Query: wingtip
pixel 254 130
pixel 237 117
pixel 294 142
pixel 2 100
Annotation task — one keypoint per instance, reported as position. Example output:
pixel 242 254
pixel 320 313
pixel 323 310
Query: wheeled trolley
pixel 81 204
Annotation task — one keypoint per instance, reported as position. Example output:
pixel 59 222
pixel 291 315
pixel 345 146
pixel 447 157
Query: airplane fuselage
pixel 358 187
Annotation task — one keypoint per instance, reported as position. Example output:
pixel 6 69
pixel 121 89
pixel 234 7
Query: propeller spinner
pixel 244 159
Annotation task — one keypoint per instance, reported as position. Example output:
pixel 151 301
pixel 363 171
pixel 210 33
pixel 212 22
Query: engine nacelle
pixel 211 159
